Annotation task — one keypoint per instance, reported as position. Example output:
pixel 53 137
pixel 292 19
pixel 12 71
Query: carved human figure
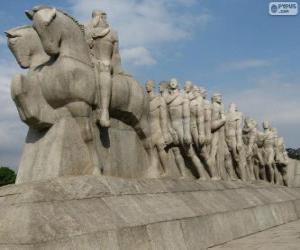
pixel 250 138
pixel 233 135
pixel 280 173
pixel 197 118
pixel 158 119
pixel 207 123
pixel 281 158
pixel 218 120
pixel 104 48
pixel 268 151
pixel 179 112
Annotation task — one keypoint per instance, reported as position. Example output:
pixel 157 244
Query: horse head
pixel 26 46
pixel 44 22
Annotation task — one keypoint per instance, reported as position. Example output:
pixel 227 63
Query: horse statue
pixel 68 78
pixel 56 144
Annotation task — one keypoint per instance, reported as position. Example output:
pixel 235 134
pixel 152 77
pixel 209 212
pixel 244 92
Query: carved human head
pixel 163 86
pixel 173 84
pixel 253 122
pixel 217 97
pixel 203 92
pixel 266 125
pixel 150 85
pixel 188 86
pixel 196 91
pixel 99 18
pixel 232 107
pixel 275 131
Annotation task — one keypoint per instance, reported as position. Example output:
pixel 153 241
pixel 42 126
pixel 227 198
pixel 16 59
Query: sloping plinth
pixel 90 212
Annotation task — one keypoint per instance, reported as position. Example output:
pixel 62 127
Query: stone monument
pixel 108 164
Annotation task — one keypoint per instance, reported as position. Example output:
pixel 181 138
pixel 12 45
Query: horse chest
pixel 66 82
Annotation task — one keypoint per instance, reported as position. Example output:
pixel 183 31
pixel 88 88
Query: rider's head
pixel 99 18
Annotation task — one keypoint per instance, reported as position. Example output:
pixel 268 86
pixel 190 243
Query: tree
pixel 7 176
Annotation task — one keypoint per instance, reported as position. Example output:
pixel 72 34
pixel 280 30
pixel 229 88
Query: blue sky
pixel 230 46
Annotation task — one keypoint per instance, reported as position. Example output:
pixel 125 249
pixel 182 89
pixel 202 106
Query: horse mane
pixel 81 26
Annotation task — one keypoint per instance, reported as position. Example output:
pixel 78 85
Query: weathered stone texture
pixel 90 212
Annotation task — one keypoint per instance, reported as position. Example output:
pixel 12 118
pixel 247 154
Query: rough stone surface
pixel 93 212
pixel 294 173
pixel 284 237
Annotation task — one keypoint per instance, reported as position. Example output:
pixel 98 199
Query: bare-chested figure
pixel 158 119
pixel 218 120
pixel 233 135
pixel 104 48
pixel 268 151
pixel 207 123
pixel 250 139
pixel 281 158
pixel 197 119
pixel 179 112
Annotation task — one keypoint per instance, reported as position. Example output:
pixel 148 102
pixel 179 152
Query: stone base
pixel 294 173
pixel 94 212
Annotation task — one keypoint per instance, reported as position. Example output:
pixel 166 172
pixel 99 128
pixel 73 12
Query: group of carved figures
pixel 75 77
pixel 216 142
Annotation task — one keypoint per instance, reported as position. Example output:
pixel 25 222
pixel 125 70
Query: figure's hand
pixel 168 139
pixel 208 140
pixel 187 139
pixel 239 147
pixel 174 135
pixel 201 140
pixel 249 153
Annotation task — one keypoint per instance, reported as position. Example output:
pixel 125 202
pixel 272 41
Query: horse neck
pixel 38 57
pixel 73 45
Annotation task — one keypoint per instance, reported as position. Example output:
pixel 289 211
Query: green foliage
pixel 7 176
pixel 294 153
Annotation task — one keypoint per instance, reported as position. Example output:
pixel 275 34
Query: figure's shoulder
pixel 114 34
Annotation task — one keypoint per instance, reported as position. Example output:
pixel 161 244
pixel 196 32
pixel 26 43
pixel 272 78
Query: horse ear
pixel 29 14
pixel 49 18
pixel 7 33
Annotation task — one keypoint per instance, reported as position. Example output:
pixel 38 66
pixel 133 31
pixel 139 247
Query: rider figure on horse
pixel 104 49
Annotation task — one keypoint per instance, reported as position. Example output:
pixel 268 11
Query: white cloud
pixel 144 23
pixel 138 56
pixel 245 64
pixel 274 99
pixel 12 131
pixel 2 40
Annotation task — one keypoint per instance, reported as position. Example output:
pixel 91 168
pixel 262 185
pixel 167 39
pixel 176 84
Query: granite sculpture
pixel 80 106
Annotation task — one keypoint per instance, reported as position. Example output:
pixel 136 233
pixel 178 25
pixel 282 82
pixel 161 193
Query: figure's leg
pixel 229 156
pixel 255 170
pixel 203 175
pixel 81 112
pixel 269 165
pixel 194 133
pixel 277 176
pixel 164 158
pixel 105 86
pixel 212 158
pixel 283 169
pixel 180 162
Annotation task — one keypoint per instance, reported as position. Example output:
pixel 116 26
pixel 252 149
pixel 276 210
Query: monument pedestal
pixel 95 212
